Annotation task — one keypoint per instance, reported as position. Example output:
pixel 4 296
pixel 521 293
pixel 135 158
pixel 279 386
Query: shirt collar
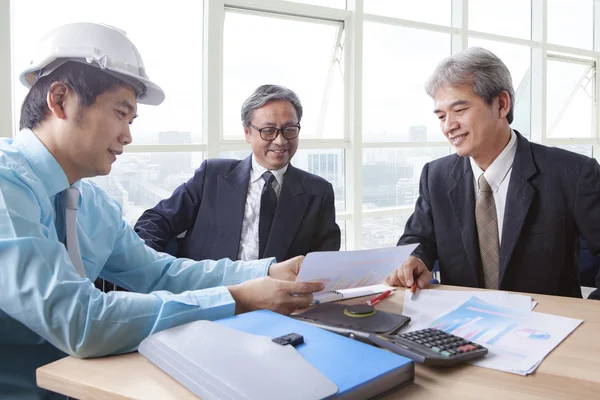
pixel 43 163
pixel 258 170
pixel 498 170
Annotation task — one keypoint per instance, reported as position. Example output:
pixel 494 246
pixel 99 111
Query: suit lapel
pixel 291 207
pixel 518 200
pixel 232 191
pixel 462 199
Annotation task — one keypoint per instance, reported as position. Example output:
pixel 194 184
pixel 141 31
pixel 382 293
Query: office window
pixel 397 62
pixel 571 23
pixel 237 154
pixel 431 11
pixel 325 3
pixel 570 99
pixel 303 55
pixel 306 53
pixel 518 60
pixel 328 164
pixel 383 231
pixel 138 181
pixel 342 225
pixel 391 176
pixel 168 52
pixel 583 149
pixel 506 17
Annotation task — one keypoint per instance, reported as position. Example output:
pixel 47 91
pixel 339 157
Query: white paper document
pixel 517 340
pixel 351 269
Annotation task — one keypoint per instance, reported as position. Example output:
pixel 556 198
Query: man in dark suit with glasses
pixel 258 207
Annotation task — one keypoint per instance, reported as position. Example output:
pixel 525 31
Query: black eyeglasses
pixel 270 133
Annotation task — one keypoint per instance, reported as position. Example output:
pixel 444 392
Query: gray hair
pixel 478 67
pixel 267 93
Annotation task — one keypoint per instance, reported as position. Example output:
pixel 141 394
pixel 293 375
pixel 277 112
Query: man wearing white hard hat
pixel 60 232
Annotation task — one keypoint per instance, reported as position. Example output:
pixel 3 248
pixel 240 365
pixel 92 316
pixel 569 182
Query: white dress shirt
pixel 498 176
pixel 248 249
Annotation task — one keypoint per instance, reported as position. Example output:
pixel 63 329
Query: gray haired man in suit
pixel 501 213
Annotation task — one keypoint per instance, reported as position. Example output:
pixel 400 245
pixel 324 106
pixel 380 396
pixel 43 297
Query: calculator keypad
pixel 431 346
pixel 447 345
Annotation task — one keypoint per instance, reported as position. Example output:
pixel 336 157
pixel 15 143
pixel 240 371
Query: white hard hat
pixel 101 46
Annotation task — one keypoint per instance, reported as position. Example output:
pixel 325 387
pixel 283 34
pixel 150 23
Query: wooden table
pixel 571 371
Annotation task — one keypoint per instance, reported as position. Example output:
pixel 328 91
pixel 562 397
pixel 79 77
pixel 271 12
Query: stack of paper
pixel 517 338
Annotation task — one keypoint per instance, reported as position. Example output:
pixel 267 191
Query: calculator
pixel 431 347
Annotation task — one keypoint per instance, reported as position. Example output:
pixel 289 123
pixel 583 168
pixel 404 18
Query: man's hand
pixel 276 295
pixel 286 270
pixel 411 269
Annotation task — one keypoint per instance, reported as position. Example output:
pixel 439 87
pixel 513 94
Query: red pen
pixel 379 297
pixel 413 290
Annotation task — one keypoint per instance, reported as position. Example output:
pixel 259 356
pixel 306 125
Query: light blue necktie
pixel 70 198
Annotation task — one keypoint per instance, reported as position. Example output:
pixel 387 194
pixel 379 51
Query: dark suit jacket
pixel 589 266
pixel 210 207
pixel 553 198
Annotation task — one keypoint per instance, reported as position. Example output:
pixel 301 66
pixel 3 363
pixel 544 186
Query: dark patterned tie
pixel 487 231
pixel 268 205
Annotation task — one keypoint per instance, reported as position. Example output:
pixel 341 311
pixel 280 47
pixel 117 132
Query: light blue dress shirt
pixel 47 311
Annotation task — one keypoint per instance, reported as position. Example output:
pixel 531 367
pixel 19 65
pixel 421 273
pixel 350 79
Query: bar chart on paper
pixel 533 334
pixel 479 324
pixel 476 329
pixel 517 340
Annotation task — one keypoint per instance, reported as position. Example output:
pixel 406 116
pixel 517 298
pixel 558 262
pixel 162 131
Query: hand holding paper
pixel 276 295
pixel 412 271
pixel 286 270
pixel 352 269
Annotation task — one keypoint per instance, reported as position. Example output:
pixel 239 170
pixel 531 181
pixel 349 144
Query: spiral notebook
pixel 345 294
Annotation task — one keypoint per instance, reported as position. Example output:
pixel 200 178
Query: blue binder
pixel 359 370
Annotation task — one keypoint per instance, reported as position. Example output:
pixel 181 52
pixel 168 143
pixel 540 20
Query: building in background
pixel 140 180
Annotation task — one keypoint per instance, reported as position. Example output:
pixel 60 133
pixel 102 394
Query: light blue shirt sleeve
pixel 40 288
pixel 165 272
